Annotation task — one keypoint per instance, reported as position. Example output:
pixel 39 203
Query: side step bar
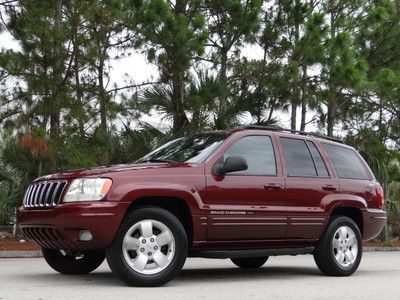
pixel 250 252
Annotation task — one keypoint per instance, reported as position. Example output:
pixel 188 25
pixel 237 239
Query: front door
pixel 246 205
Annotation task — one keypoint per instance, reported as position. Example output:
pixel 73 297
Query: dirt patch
pixel 376 243
pixel 17 246
pixel 9 242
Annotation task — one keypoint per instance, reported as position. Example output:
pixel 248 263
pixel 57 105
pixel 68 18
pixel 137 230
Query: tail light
pixel 380 197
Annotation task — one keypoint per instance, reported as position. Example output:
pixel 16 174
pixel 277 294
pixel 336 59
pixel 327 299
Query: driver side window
pixel 259 154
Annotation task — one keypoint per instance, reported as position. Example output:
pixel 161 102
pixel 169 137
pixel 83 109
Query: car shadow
pixel 192 275
pixel 237 274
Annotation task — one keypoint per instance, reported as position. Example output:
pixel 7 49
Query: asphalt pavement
pixel 378 277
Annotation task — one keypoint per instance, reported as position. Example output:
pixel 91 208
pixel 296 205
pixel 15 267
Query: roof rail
pixel 278 128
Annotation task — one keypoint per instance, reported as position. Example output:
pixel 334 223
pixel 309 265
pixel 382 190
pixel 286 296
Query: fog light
pixel 85 235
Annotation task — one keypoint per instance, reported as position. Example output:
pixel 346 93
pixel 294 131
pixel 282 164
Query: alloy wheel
pixel 148 247
pixel 345 246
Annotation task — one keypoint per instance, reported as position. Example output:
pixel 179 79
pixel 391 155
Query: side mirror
pixel 232 163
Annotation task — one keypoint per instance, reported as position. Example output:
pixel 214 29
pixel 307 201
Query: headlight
pixel 87 189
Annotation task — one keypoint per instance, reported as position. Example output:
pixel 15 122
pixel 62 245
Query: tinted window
pixel 298 158
pixel 258 152
pixel 191 149
pixel 346 162
pixel 318 161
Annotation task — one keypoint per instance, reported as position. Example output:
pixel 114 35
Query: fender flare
pixel 157 189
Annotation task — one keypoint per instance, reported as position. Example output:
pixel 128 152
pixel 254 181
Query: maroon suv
pixel 243 194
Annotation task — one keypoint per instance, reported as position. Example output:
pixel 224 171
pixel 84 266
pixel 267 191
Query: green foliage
pixel 231 23
pixel 336 62
pixel 177 32
pixel 262 88
pixel 379 157
pixel 13 181
pixel 393 206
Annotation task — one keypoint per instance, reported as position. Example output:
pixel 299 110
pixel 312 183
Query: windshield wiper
pixel 156 160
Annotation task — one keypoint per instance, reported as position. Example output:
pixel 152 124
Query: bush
pixel 393 207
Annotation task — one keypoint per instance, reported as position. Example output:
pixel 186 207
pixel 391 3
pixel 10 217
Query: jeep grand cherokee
pixel 244 194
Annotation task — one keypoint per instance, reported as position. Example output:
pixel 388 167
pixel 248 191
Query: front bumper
pixel 59 227
pixel 373 222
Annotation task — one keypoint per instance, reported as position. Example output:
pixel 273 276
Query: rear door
pixel 308 182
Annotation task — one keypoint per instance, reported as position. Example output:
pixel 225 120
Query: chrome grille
pixel 44 194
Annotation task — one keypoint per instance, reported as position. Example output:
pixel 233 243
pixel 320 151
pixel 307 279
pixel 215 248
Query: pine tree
pixel 379 42
pixel 261 89
pixel 175 36
pixel 104 33
pixel 343 68
pixel 230 23
pixel 42 63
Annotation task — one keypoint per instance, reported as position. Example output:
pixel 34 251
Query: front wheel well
pixel 178 207
pixel 352 213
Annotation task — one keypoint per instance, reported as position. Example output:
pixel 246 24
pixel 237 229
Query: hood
pixel 103 170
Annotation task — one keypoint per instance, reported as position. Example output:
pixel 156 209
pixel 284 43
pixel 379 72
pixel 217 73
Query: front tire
pixel 73 262
pixel 150 248
pixel 339 251
pixel 249 262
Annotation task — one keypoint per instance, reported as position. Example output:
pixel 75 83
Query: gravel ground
pixel 282 277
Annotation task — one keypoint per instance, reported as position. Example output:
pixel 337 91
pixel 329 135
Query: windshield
pixel 192 149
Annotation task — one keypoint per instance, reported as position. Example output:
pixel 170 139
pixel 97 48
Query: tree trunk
pixel 385 233
pixel 45 113
pixel 102 96
pixel 330 118
pixel 180 119
pixel 196 120
pixel 296 88
pixel 293 117
pixel 381 126
pixel 303 98
pixel 271 112
pixel 332 94
pixel 223 83
pixel 15 227
pixel 79 92
pixel 178 78
pixel 40 168
pixel 79 95
pixel 303 115
pixel 55 125
pixel 259 115
pixel 56 103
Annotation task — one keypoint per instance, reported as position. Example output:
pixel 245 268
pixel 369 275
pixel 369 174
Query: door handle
pixel 329 187
pixel 273 186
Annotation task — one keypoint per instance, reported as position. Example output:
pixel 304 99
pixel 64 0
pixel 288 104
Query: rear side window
pixel 346 162
pixel 318 161
pixel 303 159
pixel 259 154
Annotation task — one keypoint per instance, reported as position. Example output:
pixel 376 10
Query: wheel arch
pixel 352 212
pixel 175 205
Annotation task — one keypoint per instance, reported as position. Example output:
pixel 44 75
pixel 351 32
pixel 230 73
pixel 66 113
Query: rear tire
pixel 249 262
pixel 73 262
pixel 150 248
pixel 339 250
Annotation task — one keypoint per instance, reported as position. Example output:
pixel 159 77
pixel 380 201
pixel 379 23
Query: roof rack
pixel 278 128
